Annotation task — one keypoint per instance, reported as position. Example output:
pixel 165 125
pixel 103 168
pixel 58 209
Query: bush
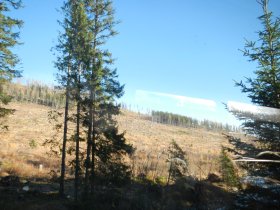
pixel 32 144
pixel 178 162
pixel 161 180
pixel 228 171
pixel 115 173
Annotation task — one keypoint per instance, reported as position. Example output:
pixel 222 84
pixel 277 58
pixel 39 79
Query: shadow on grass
pixel 186 193
pixel 141 194
pixel 241 148
pixel 246 149
pixel 19 193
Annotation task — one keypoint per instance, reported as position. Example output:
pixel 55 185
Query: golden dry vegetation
pixel 21 150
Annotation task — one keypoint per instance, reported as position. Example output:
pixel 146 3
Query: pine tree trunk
pixel 93 152
pixel 92 165
pixel 93 107
pixel 89 143
pixel 77 162
pixel 62 175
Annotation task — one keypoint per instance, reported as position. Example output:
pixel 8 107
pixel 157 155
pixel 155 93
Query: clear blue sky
pixel 168 51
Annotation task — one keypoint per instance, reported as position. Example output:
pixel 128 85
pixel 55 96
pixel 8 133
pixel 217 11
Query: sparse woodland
pixel 39 93
pixel 178 120
pixel 77 149
pixel 36 92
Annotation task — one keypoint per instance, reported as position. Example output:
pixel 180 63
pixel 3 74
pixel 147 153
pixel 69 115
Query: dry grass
pixel 17 153
pixel 30 124
pixel 152 140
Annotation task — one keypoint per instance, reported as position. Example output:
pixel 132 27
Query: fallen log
pixel 268 155
pixel 257 160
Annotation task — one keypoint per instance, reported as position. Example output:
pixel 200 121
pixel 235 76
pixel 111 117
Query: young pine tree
pixel 264 89
pixel 178 162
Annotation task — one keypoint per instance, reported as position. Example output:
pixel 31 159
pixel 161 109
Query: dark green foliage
pixel 113 172
pixel 8 40
pixel 54 143
pixel 227 170
pixel 178 162
pixel 264 88
pixel 72 59
pixel 105 144
pixel 109 154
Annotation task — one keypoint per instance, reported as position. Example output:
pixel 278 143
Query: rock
pixel 260 193
pixel 260 182
pixel 26 188
pixel 235 189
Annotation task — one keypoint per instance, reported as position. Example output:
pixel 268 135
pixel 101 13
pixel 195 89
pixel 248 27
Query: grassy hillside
pixel 21 149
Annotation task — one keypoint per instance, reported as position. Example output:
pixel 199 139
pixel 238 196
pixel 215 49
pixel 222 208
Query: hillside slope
pixel 21 149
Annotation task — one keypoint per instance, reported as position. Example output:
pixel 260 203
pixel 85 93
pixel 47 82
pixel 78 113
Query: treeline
pixel 36 92
pixel 39 93
pixel 184 121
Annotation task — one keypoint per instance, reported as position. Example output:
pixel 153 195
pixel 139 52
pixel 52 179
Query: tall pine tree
pixel 105 145
pixel 8 40
pixel 70 62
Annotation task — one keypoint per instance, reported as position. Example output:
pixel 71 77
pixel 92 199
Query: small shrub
pixel 33 144
pixel 178 162
pixel 54 176
pixel 228 171
pixel 161 180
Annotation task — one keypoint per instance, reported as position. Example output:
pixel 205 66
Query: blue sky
pixel 168 52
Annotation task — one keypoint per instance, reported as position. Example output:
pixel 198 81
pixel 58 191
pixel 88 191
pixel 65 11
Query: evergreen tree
pixel 178 162
pixel 89 81
pixel 105 145
pixel 264 89
pixel 72 48
pixel 8 40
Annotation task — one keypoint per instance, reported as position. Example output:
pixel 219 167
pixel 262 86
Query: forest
pixel 74 146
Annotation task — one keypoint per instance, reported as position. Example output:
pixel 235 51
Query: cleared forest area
pixel 22 149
